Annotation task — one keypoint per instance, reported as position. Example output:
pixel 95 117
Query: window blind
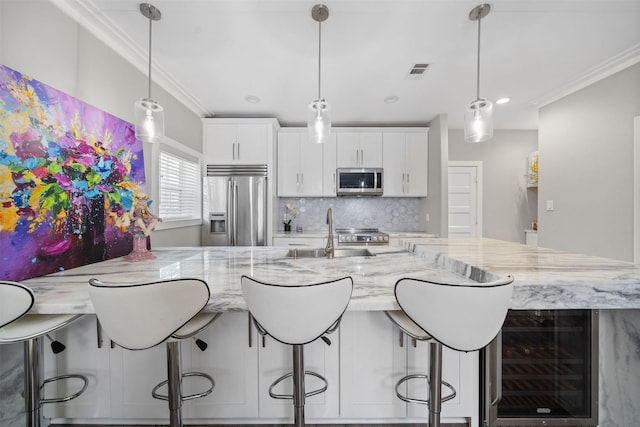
pixel 179 188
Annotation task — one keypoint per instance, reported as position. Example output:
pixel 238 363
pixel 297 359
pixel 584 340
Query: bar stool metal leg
pixel 174 383
pixel 33 371
pixel 298 385
pixel 435 383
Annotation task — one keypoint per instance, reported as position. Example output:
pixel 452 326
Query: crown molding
pixel 89 16
pixel 619 62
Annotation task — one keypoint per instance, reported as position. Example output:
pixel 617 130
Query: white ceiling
pixel 213 54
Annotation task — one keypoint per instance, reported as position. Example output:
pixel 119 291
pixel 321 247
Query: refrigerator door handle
pixel 496 380
pixel 230 217
pixel 235 212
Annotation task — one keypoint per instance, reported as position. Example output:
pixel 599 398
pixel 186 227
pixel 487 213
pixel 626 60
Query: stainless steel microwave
pixel 359 181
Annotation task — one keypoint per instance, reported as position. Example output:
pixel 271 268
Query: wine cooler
pixel 542 370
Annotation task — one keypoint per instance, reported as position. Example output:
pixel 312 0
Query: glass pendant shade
pixel 478 121
pixel 149 120
pixel 319 121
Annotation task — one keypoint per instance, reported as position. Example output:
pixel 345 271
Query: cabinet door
pixel 231 358
pixel 371 149
pixel 371 362
pixel 288 164
pixel 276 359
pixel 310 167
pixel 416 152
pixel 235 144
pixel 81 356
pixel 395 178
pixel 134 374
pixel 329 167
pixel 219 144
pixel 348 149
pixel 251 144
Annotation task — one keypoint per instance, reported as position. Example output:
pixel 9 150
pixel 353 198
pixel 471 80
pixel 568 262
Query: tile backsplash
pixel 385 213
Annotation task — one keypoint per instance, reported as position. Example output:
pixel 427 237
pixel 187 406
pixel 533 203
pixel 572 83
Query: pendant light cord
pixel 319 55
pixel 478 65
pixel 150 20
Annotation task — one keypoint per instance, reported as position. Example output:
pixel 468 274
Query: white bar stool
pixel 462 316
pixel 141 316
pixel 16 325
pixel 297 315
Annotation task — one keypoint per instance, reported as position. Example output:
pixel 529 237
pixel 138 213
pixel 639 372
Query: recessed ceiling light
pixel 252 99
pixel 391 99
pixel 503 100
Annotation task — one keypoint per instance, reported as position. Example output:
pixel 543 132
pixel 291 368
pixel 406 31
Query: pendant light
pixel 319 118
pixel 149 115
pixel 478 118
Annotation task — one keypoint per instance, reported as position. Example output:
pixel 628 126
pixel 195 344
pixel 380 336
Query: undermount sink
pixel 321 253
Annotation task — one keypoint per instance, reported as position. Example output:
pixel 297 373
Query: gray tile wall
pixel 385 213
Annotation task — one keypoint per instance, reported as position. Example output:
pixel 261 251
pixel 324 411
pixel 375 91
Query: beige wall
pixel 509 207
pixel 586 168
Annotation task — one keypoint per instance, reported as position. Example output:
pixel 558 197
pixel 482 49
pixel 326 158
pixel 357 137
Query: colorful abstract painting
pixel 69 173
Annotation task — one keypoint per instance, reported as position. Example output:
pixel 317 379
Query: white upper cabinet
pixel 405 163
pixel 239 141
pixel 329 167
pixel 300 170
pixel 359 149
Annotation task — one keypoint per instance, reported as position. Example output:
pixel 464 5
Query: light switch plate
pixel 550 205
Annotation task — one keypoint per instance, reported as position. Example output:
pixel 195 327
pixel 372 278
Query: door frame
pixel 636 189
pixel 479 185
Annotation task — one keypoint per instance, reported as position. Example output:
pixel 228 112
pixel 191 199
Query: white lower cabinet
pixel 81 356
pixel 375 355
pixel 231 358
pixel 276 359
pixel 133 375
pixel 311 242
pixel 367 356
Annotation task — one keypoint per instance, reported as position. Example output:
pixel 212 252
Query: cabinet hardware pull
pixel 238 151
pixel 334 182
pixel 250 329
pixel 401 338
pixel 98 333
pixel 362 157
pixel 403 183
pixel 408 183
pixel 302 181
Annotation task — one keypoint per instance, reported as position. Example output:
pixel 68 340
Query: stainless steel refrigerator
pixel 235 205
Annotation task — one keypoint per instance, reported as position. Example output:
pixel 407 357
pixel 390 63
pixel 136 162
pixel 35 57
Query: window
pixel 179 187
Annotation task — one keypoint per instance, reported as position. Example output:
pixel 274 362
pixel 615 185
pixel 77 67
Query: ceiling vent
pixel 418 70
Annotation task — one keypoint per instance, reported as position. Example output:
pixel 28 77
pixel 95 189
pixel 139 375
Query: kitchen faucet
pixel 329 248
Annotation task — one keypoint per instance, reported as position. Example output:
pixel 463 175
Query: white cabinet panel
pixel 375 355
pixel 300 166
pixel 81 356
pixel 312 242
pixel 405 163
pixel 359 149
pixel 276 359
pixel 371 361
pixel 134 374
pixel 225 143
pixel 231 358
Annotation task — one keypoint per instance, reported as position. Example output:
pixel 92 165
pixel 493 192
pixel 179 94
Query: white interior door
pixel 465 201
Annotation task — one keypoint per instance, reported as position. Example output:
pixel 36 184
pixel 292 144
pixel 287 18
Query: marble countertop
pixel 544 279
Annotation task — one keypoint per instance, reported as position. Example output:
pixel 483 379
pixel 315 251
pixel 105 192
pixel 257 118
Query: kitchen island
pixel 544 279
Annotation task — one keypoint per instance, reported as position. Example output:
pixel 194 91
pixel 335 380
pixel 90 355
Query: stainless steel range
pixel 361 236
